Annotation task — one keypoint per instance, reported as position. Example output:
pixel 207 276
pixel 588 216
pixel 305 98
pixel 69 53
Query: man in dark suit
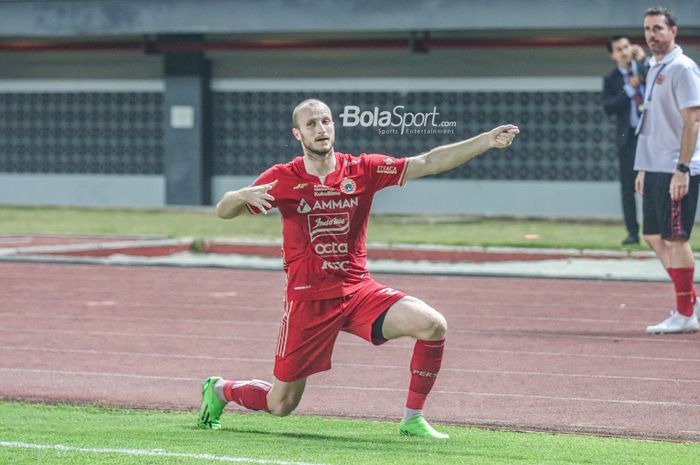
pixel 623 95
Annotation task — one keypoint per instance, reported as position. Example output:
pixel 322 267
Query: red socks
pixel 425 365
pixel 249 394
pixel 685 292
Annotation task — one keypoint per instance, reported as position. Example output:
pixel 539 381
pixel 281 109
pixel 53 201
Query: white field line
pixel 361 388
pixel 173 356
pixel 146 453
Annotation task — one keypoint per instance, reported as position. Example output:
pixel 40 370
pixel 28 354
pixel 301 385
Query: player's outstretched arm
pixel 233 203
pixel 446 157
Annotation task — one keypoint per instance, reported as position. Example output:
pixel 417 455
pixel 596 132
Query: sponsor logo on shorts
pixel 424 374
pixel 388 291
pixel 348 186
pixel 332 248
pixel 336 265
pixel 328 224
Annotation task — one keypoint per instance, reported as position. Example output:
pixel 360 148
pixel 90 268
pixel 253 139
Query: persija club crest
pixel 348 186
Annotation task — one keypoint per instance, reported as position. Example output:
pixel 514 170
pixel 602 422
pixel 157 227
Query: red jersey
pixel 324 224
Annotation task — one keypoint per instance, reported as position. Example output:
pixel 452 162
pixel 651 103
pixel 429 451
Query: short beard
pixel 318 153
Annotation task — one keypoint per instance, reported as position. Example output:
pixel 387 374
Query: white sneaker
pixel 676 323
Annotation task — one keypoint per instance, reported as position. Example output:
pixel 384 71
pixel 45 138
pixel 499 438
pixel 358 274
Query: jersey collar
pixel 334 177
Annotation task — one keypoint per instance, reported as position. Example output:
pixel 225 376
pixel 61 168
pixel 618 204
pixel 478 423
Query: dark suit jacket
pixel 616 102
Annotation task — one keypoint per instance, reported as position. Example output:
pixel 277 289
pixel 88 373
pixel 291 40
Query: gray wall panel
pixel 82 190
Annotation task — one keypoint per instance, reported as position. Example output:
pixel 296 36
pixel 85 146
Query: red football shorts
pixel 309 328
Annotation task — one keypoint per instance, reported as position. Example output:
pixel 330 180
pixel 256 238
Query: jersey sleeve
pixel 688 88
pixel 384 170
pixel 267 176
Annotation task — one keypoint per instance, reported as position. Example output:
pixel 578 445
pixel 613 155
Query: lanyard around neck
pixel 642 117
pixel 651 90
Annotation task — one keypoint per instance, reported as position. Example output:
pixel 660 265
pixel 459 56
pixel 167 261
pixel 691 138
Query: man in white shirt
pixel 668 161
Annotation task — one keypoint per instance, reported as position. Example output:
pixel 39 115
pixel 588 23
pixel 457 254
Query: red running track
pixel 558 355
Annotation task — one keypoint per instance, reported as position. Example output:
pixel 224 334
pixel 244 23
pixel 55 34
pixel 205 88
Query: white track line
pixel 158 319
pixel 82 317
pixel 147 453
pixel 651 339
pixel 227 305
pixel 361 388
pixel 174 356
pixel 349 344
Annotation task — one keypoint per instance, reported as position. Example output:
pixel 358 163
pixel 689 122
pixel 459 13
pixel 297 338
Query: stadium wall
pixel 86 129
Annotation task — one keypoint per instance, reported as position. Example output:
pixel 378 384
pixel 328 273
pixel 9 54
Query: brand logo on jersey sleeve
pixel 303 207
pixel 381 169
pixel 348 186
pixel 328 224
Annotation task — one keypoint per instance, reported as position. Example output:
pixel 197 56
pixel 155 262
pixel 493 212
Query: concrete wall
pixel 82 190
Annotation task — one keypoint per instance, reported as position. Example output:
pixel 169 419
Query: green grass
pixel 300 439
pixel 203 224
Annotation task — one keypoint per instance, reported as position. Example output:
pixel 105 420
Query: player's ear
pixel 296 134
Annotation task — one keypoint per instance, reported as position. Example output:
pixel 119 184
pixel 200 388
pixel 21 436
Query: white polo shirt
pixel 677 86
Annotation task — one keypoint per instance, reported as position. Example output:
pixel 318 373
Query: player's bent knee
pixel 435 327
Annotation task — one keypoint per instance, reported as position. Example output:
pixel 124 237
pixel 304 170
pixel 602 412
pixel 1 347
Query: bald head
pixel 311 103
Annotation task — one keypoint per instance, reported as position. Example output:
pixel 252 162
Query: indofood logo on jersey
pixel 397 120
pixel 334 204
pixel 328 224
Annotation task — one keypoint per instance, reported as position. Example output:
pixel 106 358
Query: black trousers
pixel 625 155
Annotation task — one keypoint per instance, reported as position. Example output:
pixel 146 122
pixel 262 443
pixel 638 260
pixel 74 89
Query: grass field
pixel 94 436
pixel 203 224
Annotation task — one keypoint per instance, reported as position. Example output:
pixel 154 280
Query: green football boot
pixel 419 427
pixel 210 411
